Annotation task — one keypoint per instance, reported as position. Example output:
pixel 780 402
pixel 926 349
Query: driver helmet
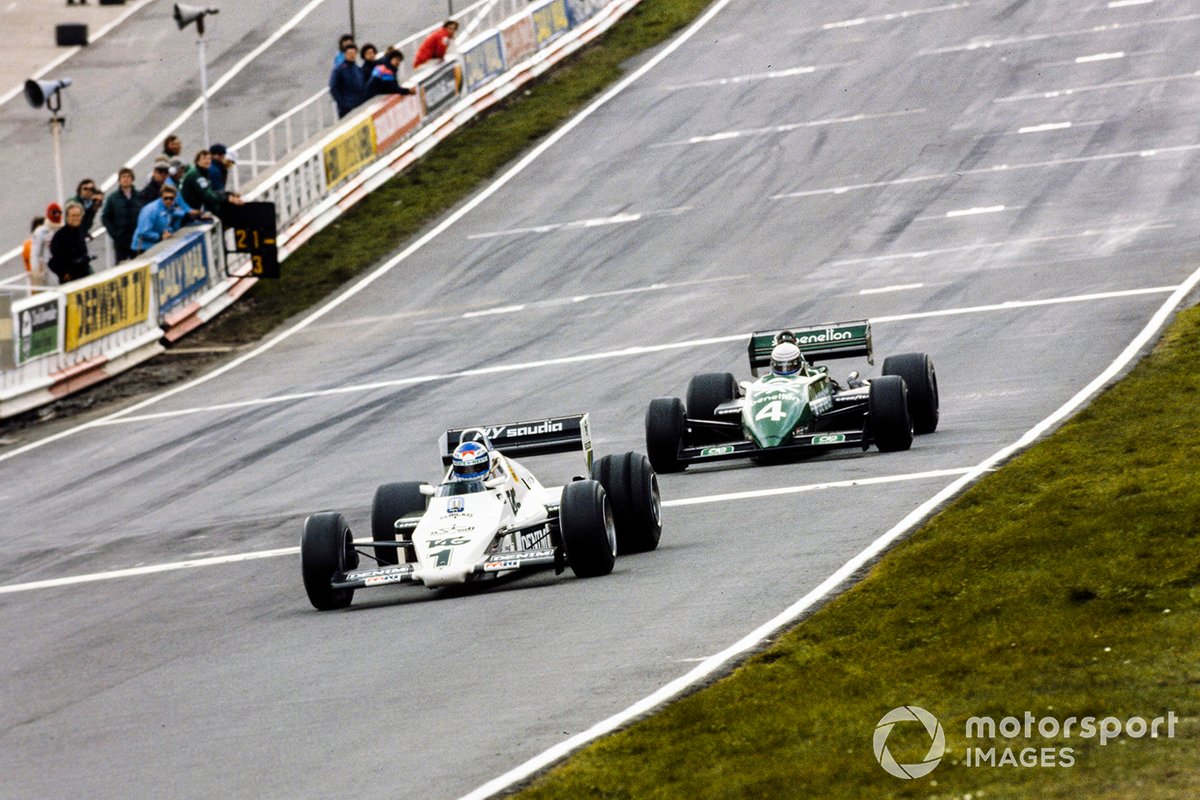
pixel 471 461
pixel 786 359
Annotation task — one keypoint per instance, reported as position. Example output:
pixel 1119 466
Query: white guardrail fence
pixel 54 342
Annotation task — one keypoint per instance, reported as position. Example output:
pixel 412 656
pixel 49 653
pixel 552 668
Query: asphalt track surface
pixel 882 195
pixel 132 83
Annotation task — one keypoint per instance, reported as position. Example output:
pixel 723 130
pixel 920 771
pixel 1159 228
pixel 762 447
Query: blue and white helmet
pixel 786 359
pixel 471 461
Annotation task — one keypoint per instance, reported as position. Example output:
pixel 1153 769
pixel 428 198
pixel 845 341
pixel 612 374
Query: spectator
pixel 385 78
pixel 39 255
pixel 27 246
pixel 346 82
pixel 370 57
pixel 172 147
pixel 158 178
pixel 436 44
pixel 218 171
pixel 120 214
pixel 90 198
pixel 339 56
pixel 69 258
pixel 157 221
pixel 197 192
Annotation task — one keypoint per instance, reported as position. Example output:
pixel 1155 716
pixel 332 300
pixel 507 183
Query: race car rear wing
pixel 817 343
pixel 529 438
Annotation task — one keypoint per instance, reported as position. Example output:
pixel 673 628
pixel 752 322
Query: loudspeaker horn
pixel 185 15
pixel 38 92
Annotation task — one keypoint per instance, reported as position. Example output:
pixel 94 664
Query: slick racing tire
pixel 887 405
pixel 705 392
pixel 393 501
pixel 588 532
pixel 665 424
pixel 326 549
pixel 632 489
pixel 918 374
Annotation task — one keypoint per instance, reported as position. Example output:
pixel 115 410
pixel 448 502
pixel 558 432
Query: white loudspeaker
pixel 185 15
pixel 38 92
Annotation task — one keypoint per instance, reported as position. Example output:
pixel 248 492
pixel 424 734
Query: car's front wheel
pixel 589 534
pixel 705 392
pixel 326 550
pixel 887 405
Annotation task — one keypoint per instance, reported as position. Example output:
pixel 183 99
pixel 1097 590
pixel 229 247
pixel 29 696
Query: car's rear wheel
pixel 705 392
pixel 632 489
pixel 326 550
pixel 887 405
pixel 921 380
pixel 665 424
pixel 393 501
pixel 588 531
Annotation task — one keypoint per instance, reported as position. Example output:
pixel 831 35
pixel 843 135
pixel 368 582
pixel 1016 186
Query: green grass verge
pixel 1066 584
pixel 382 222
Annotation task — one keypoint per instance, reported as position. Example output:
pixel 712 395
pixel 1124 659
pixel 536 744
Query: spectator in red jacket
pixel 436 44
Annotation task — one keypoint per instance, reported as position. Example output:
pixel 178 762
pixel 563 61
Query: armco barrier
pixel 112 321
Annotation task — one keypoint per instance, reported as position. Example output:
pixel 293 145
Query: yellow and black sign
pixel 254 232
pixel 349 153
pixel 106 306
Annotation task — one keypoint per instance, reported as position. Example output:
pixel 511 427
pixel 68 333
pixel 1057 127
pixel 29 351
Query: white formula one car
pixel 489 516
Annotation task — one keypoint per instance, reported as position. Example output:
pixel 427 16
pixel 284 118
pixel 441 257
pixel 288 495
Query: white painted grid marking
pixel 900 287
pixel 582 224
pixel 974 211
pixel 987 44
pixel 1100 57
pixel 893 16
pixel 756 76
pixel 992 170
pixel 967 248
pixel 1049 126
pixel 1098 87
pixel 816 123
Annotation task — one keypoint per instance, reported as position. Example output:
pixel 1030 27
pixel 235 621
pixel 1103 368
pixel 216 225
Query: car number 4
pixel 772 411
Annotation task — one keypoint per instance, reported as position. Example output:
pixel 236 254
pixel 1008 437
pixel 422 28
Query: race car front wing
pixel 402 573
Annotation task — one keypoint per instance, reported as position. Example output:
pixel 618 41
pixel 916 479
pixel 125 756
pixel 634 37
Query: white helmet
pixel 786 359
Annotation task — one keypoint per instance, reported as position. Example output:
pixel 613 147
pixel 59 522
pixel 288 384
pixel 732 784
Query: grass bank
pixel 1066 584
pixel 382 222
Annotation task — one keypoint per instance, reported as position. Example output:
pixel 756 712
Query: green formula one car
pixel 796 408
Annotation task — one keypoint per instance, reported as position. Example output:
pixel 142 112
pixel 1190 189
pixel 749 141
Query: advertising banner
pixel 350 152
pixel 550 21
pixel 440 88
pixel 519 41
pixel 36 327
pixel 398 117
pixel 101 306
pixel 181 272
pixel 483 61
pixel 581 11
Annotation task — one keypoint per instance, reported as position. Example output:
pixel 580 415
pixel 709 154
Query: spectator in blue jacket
pixel 385 78
pixel 346 82
pixel 158 221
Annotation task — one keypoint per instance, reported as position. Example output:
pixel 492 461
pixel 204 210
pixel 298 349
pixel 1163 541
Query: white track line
pixel 212 561
pixel 1039 37
pixel 900 287
pixel 628 352
pixel 1096 87
pixel 583 224
pixel 996 169
pixel 891 17
pixel 816 123
pixel 792 613
pixel 755 76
